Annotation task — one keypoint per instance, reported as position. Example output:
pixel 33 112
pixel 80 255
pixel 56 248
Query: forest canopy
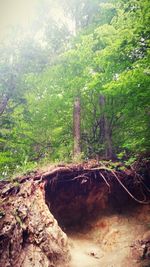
pixel 74 79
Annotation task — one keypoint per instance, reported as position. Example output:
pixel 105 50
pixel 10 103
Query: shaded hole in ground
pixel 25 236
pixel 75 202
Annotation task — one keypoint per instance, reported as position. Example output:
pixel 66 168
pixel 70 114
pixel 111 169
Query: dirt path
pixel 107 243
pixel 85 253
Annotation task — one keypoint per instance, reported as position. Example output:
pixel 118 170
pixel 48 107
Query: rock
pixel 30 236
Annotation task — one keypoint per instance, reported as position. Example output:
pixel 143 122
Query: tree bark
pixel 3 104
pixel 105 133
pixel 76 127
pixel 10 84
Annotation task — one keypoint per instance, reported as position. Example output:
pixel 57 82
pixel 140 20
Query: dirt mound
pixel 100 210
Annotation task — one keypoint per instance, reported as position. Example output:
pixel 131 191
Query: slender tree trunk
pixel 6 97
pixel 76 127
pixel 3 104
pixel 105 133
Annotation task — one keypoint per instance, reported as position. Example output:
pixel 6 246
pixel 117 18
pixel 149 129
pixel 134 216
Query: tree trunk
pixel 6 97
pixel 76 127
pixel 3 104
pixel 105 132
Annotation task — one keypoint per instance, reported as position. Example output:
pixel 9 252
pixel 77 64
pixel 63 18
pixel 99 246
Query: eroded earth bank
pixel 76 215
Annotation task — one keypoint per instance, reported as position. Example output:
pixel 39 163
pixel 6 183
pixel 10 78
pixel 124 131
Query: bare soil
pixel 110 241
pixel 96 207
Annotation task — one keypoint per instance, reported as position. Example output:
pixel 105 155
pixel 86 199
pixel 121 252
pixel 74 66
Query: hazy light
pixel 15 13
pixel 21 15
pixel 61 18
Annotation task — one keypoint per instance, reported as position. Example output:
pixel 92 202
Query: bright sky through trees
pixel 22 14
pixel 16 13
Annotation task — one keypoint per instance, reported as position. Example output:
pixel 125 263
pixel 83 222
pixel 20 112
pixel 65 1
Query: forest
pixel 75 133
pixel 76 85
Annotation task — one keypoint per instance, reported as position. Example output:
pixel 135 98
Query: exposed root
pixel 83 174
pixel 78 196
pixel 129 193
pixel 148 190
pixel 105 180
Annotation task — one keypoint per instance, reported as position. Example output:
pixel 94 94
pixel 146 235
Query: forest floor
pixel 110 241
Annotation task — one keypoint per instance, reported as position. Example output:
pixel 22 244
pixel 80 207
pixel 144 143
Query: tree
pixel 105 68
pixel 105 131
pixel 76 130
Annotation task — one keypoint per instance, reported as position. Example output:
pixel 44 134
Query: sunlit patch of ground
pixel 108 241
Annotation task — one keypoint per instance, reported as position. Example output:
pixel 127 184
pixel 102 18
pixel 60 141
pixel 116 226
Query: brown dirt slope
pixel 92 203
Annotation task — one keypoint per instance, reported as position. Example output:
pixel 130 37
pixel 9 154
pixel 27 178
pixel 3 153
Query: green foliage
pixel 109 56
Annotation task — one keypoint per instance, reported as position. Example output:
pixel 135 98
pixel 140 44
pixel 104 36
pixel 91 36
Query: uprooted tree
pixel 30 235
